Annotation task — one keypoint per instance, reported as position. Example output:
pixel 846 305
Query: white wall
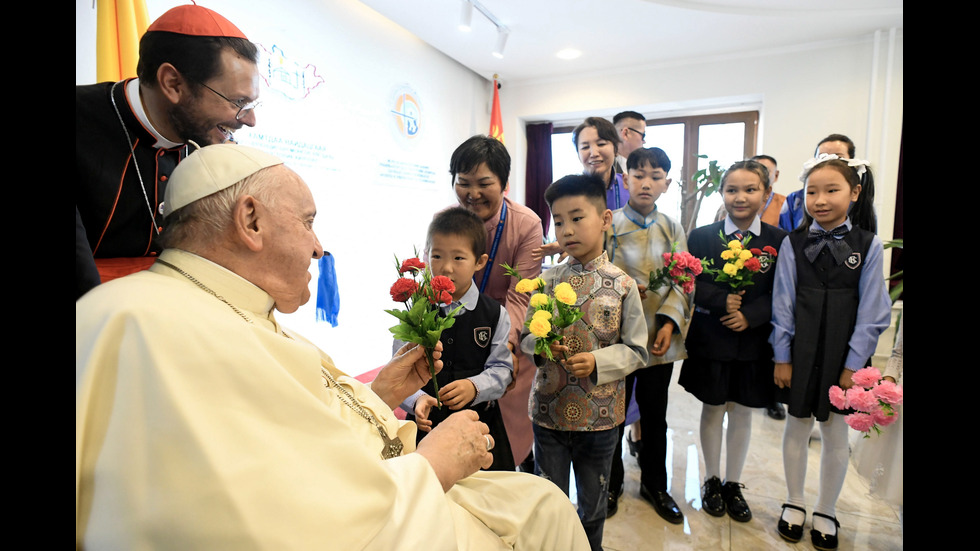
pixel 802 95
pixel 347 142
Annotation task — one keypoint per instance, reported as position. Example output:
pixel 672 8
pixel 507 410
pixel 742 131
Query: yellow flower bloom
pixel 565 294
pixel 539 283
pixel 745 254
pixel 727 255
pixel 541 315
pixel 538 300
pixel 729 269
pixel 540 327
pixel 525 286
pixel 739 264
pixel 735 245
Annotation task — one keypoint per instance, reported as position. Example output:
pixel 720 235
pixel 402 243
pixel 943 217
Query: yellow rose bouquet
pixel 741 263
pixel 552 313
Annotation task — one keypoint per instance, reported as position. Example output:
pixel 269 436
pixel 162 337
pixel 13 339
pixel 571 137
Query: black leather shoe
pixel 791 532
pixel 824 542
pixel 612 505
pixel 711 500
pixel 735 504
pixel 663 504
pixel 776 411
pixel 613 502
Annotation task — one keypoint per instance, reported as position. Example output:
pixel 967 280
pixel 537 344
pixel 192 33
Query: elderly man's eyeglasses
pixel 643 135
pixel 242 106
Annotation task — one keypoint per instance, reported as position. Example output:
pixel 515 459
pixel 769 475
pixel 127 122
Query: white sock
pixel 737 440
pixel 834 452
pixel 711 421
pixel 795 440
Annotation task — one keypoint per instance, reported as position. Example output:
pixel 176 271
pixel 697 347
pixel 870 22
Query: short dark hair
pixel 578 185
pixel 628 115
pixel 604 128
pixel 837 138
pixel 767 158
pixel 654 156
pixel 198 58
pixel 481 149
pixel 461 222
pixel 752 166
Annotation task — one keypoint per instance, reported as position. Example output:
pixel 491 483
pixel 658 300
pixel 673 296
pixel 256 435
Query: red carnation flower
pixel 441 297
pixel 443 283
pixel 403 289
pixel 413 264
pixel 753 265
pixel 770 250
pixel 755 251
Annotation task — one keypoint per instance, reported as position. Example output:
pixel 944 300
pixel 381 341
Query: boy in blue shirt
pixel 640 236
pixel 578 403
pixel 477 363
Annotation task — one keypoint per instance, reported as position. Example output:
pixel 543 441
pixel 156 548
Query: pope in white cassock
pixel 200 422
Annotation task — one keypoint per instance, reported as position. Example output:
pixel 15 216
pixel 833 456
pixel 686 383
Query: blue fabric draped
pixel 327 295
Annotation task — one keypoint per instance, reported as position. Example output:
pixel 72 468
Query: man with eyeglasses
pixel 632 129
pixel 197 82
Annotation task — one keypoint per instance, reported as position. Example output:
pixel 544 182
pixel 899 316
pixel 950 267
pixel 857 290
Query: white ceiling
pixel 614 35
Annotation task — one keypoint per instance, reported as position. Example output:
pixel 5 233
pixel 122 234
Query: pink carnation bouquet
pixel 422 295
pixel 873 398
pixel 680 269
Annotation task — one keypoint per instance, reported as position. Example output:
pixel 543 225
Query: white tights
pixel 736 440
pixel 834 453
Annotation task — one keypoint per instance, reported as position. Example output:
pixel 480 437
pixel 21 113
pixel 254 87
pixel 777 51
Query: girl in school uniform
pixel 829 306
pixel 729 365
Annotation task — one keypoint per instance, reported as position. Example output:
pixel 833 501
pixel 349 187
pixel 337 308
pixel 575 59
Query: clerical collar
pixel 815 226
pixel 136 104
pixel 755 229
pixel 640 220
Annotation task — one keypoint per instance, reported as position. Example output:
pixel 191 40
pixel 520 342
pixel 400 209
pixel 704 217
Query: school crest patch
pixel 766 261
pixel 853 261
pixel 481 336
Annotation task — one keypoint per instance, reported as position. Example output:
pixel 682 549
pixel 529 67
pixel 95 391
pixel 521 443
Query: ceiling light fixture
pixel 466 16
pixel 498 50
pixel 502 30
pixel 568 53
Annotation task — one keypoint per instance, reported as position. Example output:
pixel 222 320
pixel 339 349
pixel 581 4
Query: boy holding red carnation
pixel 477 363
pixel 639 242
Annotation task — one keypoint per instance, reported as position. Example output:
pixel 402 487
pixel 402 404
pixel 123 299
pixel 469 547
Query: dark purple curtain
pixel 898 263
pixel 539 174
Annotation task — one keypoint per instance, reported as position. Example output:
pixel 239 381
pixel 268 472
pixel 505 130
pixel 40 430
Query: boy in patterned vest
pixel 579 400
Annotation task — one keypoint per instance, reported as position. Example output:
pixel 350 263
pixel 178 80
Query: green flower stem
pixel 432 372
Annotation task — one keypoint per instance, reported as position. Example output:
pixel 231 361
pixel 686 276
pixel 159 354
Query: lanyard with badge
pixel 493 247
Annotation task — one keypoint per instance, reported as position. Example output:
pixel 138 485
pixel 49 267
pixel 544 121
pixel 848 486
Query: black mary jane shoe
pixel 711 499
pixel 791 532
pixel 825 542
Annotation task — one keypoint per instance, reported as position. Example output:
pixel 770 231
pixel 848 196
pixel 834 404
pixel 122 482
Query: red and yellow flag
pixel 121 24
pixel 496 122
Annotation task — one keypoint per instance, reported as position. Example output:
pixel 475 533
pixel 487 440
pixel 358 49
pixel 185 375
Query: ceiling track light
pixel 498 50
pixel 502 30
pixel 466 16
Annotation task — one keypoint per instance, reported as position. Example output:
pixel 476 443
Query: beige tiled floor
pixel 866 523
